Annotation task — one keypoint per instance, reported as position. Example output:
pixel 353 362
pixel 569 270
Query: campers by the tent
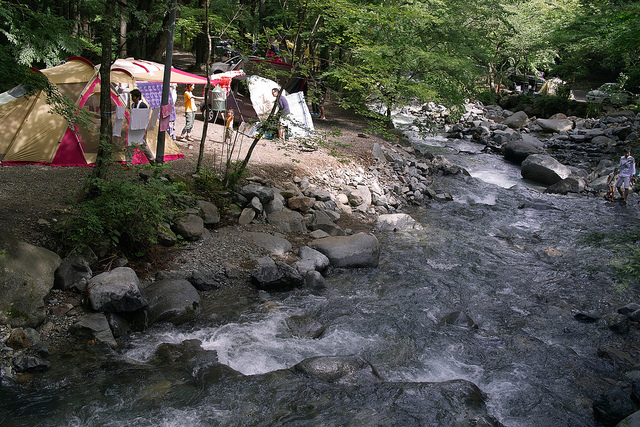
pixel 31 133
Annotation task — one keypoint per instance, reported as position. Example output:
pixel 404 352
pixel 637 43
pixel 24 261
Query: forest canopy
pixel 386 52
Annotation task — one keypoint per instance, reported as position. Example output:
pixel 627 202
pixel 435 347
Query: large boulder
pixel 26 277
pixel 172 300
pixel 516 120
pixel 337 368
pixel 517 151
pixel 208 212
pixel 287 221
pixel 73 269
pixel 189 226
pixel 276 276
pixel 275 245
pixel 544 169
pixel 555 125
pixel 358 250
pixel 264 194
pixel 116 291
pixel 567 185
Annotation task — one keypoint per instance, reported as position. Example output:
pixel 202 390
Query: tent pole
pixel 167 78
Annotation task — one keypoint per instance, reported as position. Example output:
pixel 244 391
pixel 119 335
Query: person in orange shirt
pixel 228 126
pixel 189 113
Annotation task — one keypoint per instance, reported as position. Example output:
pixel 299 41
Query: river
pixel 516 261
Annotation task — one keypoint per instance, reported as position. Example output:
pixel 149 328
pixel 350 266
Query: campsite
pixel 394 264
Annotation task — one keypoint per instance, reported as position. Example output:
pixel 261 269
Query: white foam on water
pixel 256 347
pixel 443 368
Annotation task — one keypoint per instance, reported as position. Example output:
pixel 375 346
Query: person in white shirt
pixel 627 171
pixel 138 103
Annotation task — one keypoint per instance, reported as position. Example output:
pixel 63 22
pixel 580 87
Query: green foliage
pixel 121 212
pixel 209 184
pixel 625 244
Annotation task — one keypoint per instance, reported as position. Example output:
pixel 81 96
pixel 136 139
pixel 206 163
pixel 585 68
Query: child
pixel 228 126
pixel 611 184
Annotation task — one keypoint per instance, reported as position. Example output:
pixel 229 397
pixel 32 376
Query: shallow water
pixel 482 254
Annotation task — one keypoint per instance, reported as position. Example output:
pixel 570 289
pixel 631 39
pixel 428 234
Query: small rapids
pixel 516 261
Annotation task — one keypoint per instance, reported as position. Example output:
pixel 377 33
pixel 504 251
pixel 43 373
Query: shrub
pixel 121 212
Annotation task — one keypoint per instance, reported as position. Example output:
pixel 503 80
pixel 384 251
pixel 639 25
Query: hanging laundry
pixel 135 136
pixel 153 119
pixel 139 118
pixel 120 112
pixel 165 116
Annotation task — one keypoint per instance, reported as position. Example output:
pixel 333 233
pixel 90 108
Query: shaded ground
pixel 34 198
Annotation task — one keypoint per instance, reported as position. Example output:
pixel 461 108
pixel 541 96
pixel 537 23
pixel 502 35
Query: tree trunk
pixel 123 28
pixel 104 150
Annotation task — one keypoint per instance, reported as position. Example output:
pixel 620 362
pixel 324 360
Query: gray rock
pixel 250 191
pixel 314 280
pixel 172 300
pixel 555 125
pixel 396 222
pixel 94 327
pixel 275 205
pixel 208 212
pixel 116 291
pixel 256 205
pixel 333 369
pixel 287 221
pixel 166 237
pixel 321 221
pixel 358 250
pixel 247 215
pixel 118 325
pixel 27 277
pixel 273 244
pixel 305 327
pixel 319 234
pixel 544 169
pixel 204 281
pixel 276 277
pixel 518 150
pixel 73 269
pixel 319 260
pixel 517 120
pixel 189 226
pixel 30 363
pixel 355 197
pixel 567 185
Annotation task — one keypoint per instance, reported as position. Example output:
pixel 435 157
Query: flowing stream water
pixel 513 259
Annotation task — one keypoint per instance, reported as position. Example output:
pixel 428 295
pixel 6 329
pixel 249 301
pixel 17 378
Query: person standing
pixel 319 96
pixel 189 113
pixel 283 112
pixel 137 124
pixel 626 174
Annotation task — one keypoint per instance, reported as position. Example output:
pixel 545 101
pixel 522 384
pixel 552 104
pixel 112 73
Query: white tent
pixel 300 122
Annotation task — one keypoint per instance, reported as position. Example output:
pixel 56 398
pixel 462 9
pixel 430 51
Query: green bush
pixel 122 213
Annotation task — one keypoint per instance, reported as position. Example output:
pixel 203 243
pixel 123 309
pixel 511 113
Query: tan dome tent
pixel 31 133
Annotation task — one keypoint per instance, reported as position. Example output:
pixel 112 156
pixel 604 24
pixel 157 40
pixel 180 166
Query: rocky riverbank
pixel 288 232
